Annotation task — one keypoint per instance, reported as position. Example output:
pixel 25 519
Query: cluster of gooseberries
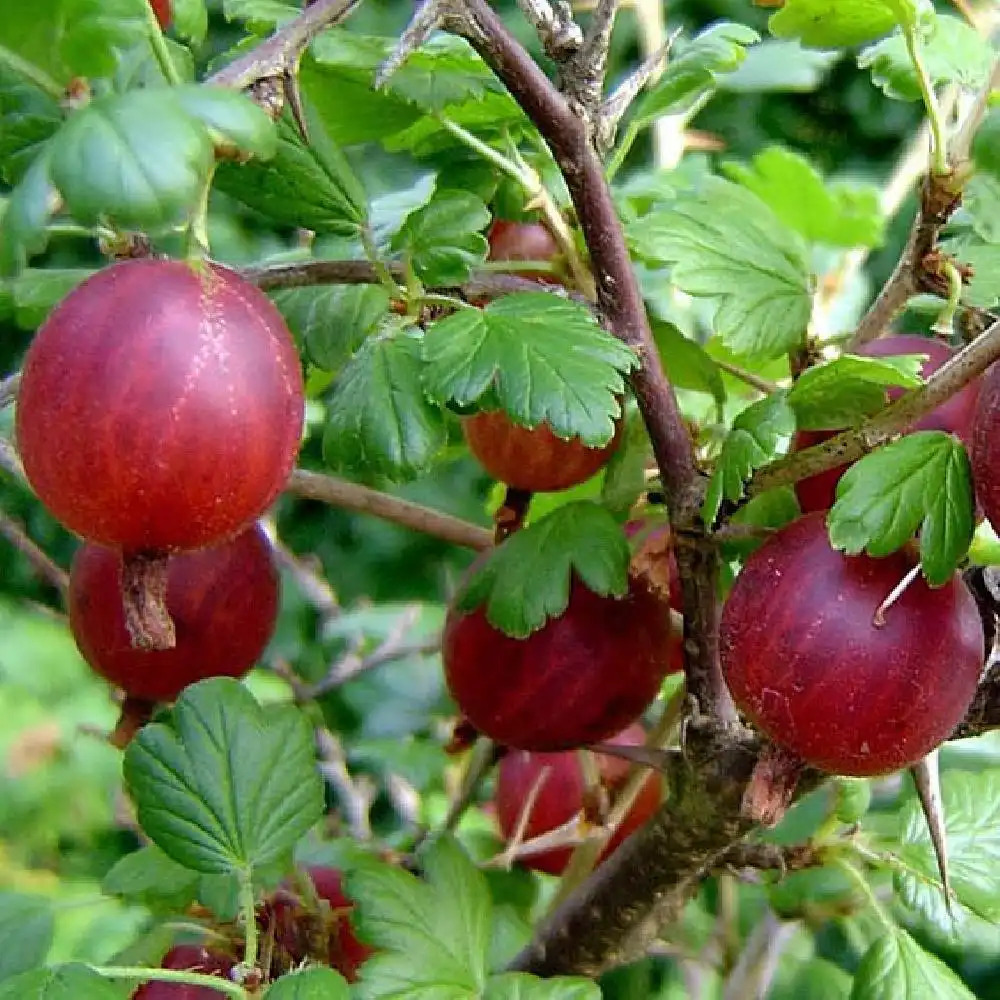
pixel 159 415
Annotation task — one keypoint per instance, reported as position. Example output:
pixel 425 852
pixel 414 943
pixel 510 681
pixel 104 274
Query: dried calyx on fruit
pixel 533 459
pixel 189 958
pixel 578 679
pixel 842 678
pixel 314 925
pixel 223 600
pixel 955 415
pixel 552 785
pixel 160 410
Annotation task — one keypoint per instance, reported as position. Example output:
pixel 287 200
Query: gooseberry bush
pixel 498 500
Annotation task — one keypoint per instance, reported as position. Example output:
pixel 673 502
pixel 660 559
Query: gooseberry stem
pixel 171 976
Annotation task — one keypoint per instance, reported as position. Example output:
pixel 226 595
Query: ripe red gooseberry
pixel 578 679
pixel 560 796
pixel 533 459
pixel 530 241
pixel 301 934
pixel 161 406
pixel 985 448
pixel 161 8
pixel 190 958
pixel 954 416
pixel 223 600
pixel 812 662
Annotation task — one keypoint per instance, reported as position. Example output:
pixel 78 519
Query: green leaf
pixel 379 422
pixel 773 509
pixel 311 186
pixel 985 145
pixel 842 392
pixel 149 876
pixel 332 320
pixel 896 967
pixel 35 291
pixel 444 239
pixel 922 481
pixel 432 935
pixel 693 68
pixel 521 986
pixel 190 20
pixel 953 52
pixel 829 24
pixel 984 259
pixel 63 982
pixel 28 118
pixel 147 160
pixel 26 929
pixel 316 983
pixel 526 580
pixel 776 65
pixel 971 805
pixel 759 433
pixel 231 117
pixel 625 474
pixel 23 230
pixel 539 357
pixel 225 785
pixel 981 200
pixel 726 245
pixel 836 214
pixel 687 363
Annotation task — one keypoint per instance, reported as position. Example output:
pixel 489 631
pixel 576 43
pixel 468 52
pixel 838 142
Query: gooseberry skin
pixel 579 679
pixel 223 600
pixel 807 665
pixel 985 448
pixel 161 406
pixel 522 241
pixel 954 416
pixel 161 8
pixel 533 459
pixel 561 796
pixel 190 958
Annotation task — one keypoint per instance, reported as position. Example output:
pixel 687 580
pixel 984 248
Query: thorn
pixel 927 777
pixel 428 18
pixel 878 619
pixel 294 97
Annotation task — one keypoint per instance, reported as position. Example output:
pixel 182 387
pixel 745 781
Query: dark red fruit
pixel 807 664
pixel 561 796
pixel 161 406
pixel 190 958
pixel 533 459
pixel 301 934
pixel 985 447
pixel 224 602
pixel 579 679
pixel 522 241
pixel 161 8
pixel 954 416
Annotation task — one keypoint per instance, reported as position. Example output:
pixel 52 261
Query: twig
pixel 393 647
pixel 314 586
pixel 849 446
pixel 40 562
pixel 10 460
pixel 280 54
pixel 752 975
pixel 755 381
pixel 558 32
pixel 356 796
pixel 352 496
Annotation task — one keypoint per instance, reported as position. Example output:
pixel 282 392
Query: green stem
pixel 895 863
pixel 487 152
pixel 384 275
pixel 198 246
pixel 939 162
pixel 248 916
pixel 945 323
pixel 866 890
pixel 31 72
pixel 171 976
pixel 160 50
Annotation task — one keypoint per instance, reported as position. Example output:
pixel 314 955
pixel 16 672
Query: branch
pixel 553 22
pixel 352 496
pixel 852 444
pixel 8 389
pixel 280 54
pixel 43 566
pixel 939 197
